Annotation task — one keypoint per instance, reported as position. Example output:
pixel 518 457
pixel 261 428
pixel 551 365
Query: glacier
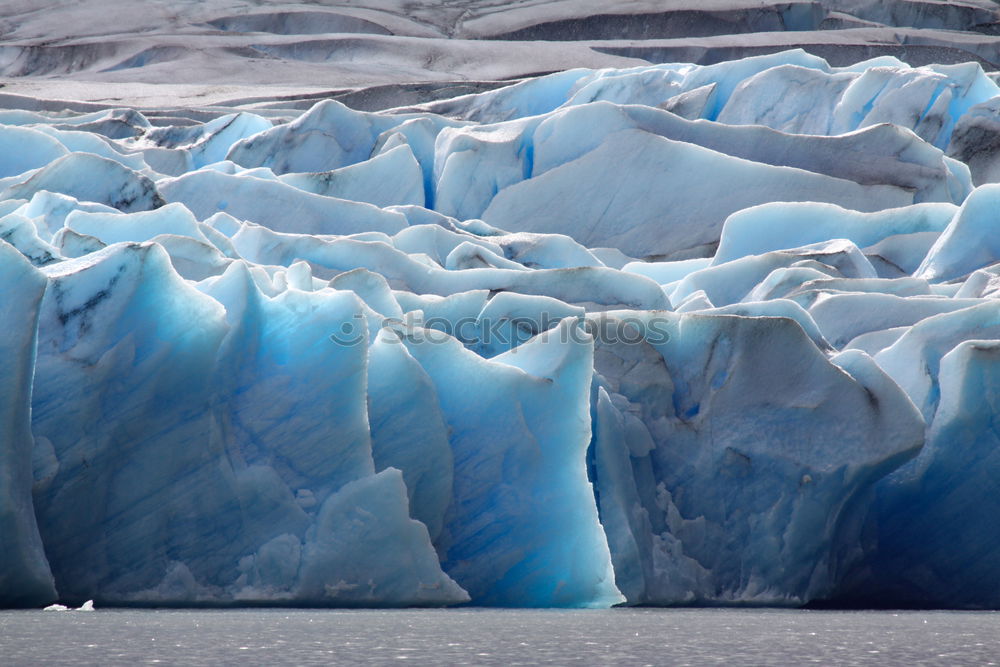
pixel 662 334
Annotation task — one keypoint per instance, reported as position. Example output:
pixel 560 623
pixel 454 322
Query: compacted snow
pixel 721 333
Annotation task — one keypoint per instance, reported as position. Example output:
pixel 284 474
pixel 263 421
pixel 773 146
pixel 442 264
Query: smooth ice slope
pixel 617 194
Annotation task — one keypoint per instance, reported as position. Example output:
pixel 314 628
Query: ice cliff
pixel 673 334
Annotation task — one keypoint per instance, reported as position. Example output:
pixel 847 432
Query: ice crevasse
pixel 670 335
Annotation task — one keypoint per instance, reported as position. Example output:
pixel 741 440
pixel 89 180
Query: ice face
pixel 25 578
pixel 328 136
pixel 595 337
pixel 25 149
pixel 414 441
pixel 933 494
pixel 719 447
pixel 251 477
pixel 523 525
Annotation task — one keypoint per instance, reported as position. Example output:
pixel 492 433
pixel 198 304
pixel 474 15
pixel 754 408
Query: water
pixel 499 637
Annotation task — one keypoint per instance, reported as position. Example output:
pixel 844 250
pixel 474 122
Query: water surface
pixel 499 637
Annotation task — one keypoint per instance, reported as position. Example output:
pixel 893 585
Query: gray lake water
pixel 499 637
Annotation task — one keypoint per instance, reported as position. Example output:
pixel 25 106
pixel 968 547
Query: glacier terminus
pixel 649 334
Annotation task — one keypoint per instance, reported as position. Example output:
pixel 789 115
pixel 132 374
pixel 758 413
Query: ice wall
pixel 25 578
pixel 663 335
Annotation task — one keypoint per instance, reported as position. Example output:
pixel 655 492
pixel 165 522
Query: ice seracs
pixel 732 470
pixel 934 494
pixel 671 334
pixel 523 527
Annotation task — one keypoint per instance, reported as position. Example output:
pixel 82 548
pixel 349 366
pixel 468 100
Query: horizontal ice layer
pixel 504 157
pixel 480 169
pixel 597 285
pixel 471 165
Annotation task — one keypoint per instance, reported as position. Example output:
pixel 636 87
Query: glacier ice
pixel 366 182
pixel 719 450
pixel 87 176
pixel 284 207
pixel 774 226
pixel 25 149
pixel 668 334
pixel 25 578
pixel 934 517
pixel 523 510
pixel 635 182
pixel 966 244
